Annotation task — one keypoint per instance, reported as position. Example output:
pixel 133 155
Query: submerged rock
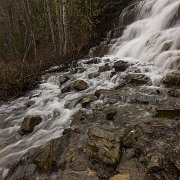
pixel 104 68
pixel 29 124
pixel 80 85
pixel 172 79
pixel 66 89
pixel 63 79
pixel 93 75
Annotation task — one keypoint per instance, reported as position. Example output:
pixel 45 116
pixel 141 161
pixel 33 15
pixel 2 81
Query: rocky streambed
pixel 129 130
pixel 114 117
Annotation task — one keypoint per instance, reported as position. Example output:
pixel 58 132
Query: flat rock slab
pixel 104 146
pixel 121 177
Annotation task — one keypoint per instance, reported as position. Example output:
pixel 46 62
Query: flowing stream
pixel 152 41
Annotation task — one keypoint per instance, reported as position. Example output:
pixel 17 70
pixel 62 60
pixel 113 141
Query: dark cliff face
pixel 111 10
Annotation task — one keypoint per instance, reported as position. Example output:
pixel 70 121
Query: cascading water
pixel 153 38
pixel 152 41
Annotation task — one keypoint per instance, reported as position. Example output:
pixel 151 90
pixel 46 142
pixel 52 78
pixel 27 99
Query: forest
pixel 37 34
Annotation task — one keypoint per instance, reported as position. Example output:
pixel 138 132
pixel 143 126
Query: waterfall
pixel 148 35
pixel 153 37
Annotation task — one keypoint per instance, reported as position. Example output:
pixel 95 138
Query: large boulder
pixel 29 124
pixel 104 146
pixel 120 66
pixel 80 85
pixel 172 79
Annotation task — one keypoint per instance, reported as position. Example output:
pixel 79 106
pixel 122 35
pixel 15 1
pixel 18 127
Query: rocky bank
pixel 127 132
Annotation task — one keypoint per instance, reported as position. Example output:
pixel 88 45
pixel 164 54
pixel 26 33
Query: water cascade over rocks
pixel 120 111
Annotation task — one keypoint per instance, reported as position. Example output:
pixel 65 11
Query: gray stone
pixel 29 123
pixel 121 66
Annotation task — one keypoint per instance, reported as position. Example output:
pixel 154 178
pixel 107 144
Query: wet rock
pixel 29 123
pixel 92 61
pixel 121 84
pixel 121 66
pixel 79 175
pixel 100 50
pixel 30 171
pixel 34 95
pixel 30 103
pixel 104 146
pixel 85 101
pixel 93 75
pixel 139 98
pixel 51 156
pixel 121 177
pixel 169 109
pixel 155 163
pixel 173 93
pixel 70 104
pixel 133 136
pixel 137 79
pixel 80 85
pixel 111 114
pixel 99 92
pixel 81 69
pixel 63 79
pixel 113 73
pixel 66 89
pixel 79 118
pixel 104 68
pixel 171 79
pixel 60 68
